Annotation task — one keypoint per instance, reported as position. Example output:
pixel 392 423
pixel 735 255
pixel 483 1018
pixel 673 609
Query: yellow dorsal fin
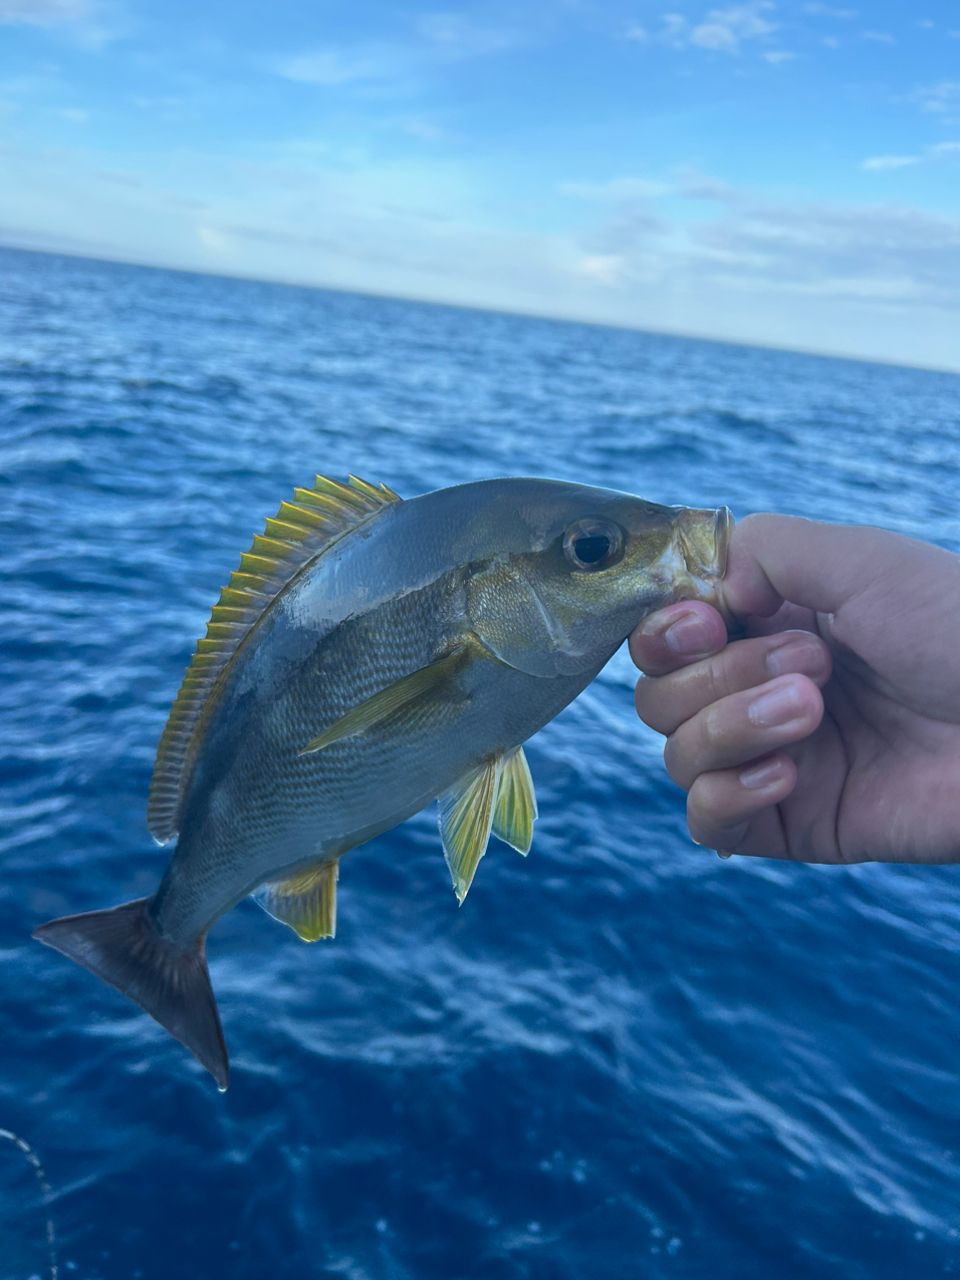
pixel 295 536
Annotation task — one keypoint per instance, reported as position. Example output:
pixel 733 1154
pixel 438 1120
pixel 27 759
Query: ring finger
pixel 743 726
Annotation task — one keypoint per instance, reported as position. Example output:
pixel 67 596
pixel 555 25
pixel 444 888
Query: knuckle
pixel 711 681
pixel 646 700
pixel 715 729
pixel 701 820
pixel 751 524
pixel 710 816
pixel 675 760
pixel 655 698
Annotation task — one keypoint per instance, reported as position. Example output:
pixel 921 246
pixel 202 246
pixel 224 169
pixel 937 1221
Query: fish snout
pixel 703 538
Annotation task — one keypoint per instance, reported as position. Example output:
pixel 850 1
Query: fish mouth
pixel 703 539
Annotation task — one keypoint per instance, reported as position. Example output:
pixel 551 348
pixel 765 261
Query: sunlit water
pixel 622 1057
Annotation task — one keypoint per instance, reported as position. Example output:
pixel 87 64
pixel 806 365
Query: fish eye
pixel 593 544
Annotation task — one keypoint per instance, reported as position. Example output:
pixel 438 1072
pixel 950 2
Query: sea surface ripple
pixel 622 1057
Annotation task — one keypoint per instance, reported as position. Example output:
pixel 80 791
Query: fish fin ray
pixel 389 700
pixel 466 818
pixel 306 903
pixel 301 530
pixel 515 811
pixel 124 949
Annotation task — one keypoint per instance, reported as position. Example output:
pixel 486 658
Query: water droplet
pixel 724 853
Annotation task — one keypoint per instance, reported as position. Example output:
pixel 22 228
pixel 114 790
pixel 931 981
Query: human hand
pixel 831 732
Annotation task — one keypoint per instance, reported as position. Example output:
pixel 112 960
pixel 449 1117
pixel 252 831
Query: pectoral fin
pixel 307 903
pixel 389 700
pixel 516 807
pixel 466 817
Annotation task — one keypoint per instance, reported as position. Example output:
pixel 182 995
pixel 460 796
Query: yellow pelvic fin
pixel 516 807
pixel 300 531
pixel 387 701
pixel 466 817
pixel 307 902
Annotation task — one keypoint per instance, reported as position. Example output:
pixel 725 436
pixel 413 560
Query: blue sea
pixel 622 1058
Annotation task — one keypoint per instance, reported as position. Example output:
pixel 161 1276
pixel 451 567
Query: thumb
pixel 819 566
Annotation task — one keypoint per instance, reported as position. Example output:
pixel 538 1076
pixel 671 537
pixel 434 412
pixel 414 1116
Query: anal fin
pixel 307 903
pixel 516 808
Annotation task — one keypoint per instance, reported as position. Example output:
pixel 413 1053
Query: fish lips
pixel 703 539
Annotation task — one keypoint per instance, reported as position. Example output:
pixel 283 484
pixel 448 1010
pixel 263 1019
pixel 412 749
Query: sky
pixel 773 172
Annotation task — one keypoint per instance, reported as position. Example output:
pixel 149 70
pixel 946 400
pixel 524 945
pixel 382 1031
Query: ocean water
pixel 622 1057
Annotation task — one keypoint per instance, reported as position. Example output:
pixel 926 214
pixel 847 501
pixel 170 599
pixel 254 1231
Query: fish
pixel 371 655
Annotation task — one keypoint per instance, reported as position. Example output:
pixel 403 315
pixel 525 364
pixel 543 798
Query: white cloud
pixel 44 13
pixel 881 254
pixel 615 190
pixel 938 98
pixel 604 268
pixel 830 11
pixel 332 67
pixel 776 56
pixel 419 127
pixel 698 186
pixel 90 24
pixel 436 39
pixel 722 30
pixel 935 151
pixel 460 35
pixel 873 280
pixel 637 33
pixel 674 29
pixel 878 37
pixel 882 163
pixel 728 28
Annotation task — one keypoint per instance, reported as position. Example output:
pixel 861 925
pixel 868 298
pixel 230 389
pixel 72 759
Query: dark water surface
pixel 623 1057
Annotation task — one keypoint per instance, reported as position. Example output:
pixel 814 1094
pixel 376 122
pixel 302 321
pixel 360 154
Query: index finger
pixel 676 636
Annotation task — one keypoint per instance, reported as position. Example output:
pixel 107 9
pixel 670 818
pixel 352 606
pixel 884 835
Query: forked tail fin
pixel 171 982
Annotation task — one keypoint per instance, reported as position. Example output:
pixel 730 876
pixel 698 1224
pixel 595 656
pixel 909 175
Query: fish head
pixel 596 563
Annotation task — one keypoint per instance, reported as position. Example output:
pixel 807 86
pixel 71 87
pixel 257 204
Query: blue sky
pixel 763 171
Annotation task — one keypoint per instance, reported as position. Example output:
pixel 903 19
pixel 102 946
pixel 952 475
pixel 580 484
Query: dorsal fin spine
pixel 293 538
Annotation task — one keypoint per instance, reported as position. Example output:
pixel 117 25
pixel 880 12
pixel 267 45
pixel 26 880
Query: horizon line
pixel 484 310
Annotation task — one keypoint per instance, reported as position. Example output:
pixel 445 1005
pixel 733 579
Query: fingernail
pixel 759 776
pixel 688 635
pixel 776 706
pixel 800 653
